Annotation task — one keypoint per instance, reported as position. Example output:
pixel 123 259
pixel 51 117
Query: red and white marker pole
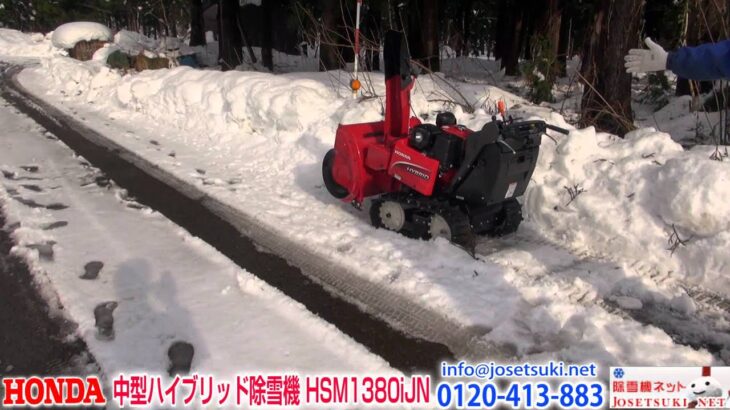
pixel 355 83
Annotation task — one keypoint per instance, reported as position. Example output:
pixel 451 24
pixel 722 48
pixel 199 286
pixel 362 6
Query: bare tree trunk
pixel 133 18
pixel 467 17
pixel 329 56
pixel 530 14
pixel 564 42
pixel 546 39
pixel 414 32
pixel 548 24
pixel 231 40
pixel 501 36
pixel 430 38
pixel 244 33
pixel 197 25
pixel 267 54
pixel 606 99
pixel 514 26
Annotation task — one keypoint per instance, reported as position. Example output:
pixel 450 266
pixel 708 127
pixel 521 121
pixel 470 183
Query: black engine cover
pixel 447 149
pixel 498 163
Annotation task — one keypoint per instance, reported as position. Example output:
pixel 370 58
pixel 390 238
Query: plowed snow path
pixel 689 314
pixel 536 302
pixel 168 285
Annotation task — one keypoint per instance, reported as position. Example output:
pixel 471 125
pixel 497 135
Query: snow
pixel 699 202
pixel 133 43
pixel 261 137
pixel 167 283
pixel 634 191
pixel 103 53
pixel 67 35
pixel 14 44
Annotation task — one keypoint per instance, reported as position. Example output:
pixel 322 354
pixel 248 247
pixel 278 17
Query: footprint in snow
pixel 30 168
pixel 45 250
pixel 102 181
pixel 91 270
pixel 57 206
pixel 14 177
pixel 27 202
pixel 154 142
pixel 32 187
pixel 181 358
pixel 54 225
pixel 104 318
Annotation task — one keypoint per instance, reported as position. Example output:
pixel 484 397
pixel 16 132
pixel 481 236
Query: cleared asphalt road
pixel 33 341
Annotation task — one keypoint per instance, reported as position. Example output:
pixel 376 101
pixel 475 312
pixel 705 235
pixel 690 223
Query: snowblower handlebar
pixel 515 127
pixel 557 129
pixel 525 129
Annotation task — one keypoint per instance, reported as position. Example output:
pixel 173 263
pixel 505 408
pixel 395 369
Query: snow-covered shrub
pixel 67 35
pixel 81 39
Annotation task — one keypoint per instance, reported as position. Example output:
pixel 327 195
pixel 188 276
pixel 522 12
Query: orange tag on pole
pixel 355 84
pixel 502 108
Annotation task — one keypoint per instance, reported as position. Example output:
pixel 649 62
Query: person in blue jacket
pixel 703 63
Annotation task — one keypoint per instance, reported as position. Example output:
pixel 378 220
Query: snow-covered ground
pixel 16 46
pixel 587 279
pixel 167 284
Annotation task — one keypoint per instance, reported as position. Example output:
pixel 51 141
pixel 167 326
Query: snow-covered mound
pixel 67 35
pixel 134 43
pixel 13 43
pixel 635 191
pixel 633 194
pixel 261 138
pixel 103 53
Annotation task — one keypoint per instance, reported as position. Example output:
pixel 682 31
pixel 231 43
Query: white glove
pixel 641 60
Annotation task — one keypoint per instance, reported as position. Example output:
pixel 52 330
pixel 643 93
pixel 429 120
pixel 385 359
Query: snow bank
pixel 13 43
pixel 67 35
pixel 133 43
pixel 263 137
pixel 694 195
pixel 633 194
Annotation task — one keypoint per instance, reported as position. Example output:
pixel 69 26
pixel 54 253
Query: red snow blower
pixel 426 180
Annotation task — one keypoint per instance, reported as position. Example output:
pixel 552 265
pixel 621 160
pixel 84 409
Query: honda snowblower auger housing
pixel 427 180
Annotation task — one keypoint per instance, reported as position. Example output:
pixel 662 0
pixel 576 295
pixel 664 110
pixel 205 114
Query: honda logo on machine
pixel 400 154
pixel 670 387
